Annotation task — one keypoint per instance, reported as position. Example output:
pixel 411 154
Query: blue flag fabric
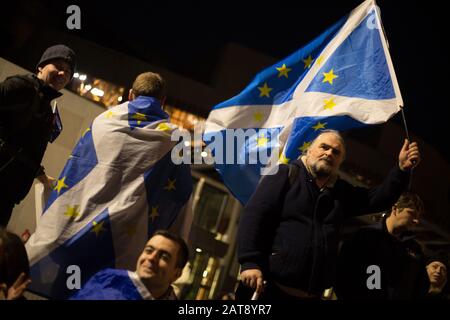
pixel 118 186
pixel 342 80
pixel 109 284
pixel 112 284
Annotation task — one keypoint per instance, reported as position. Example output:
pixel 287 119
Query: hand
pixel 18 288
pixel 409 156
pixel 47 181
pixel 3 291
pixel 253 278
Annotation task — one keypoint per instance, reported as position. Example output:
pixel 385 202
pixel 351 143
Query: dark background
pixel 188 37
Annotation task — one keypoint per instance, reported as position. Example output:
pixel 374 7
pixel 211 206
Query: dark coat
pixel 291 232
pixel 26 125
pixel 401 262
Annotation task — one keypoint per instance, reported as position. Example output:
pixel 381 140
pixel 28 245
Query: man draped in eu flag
pixel 117 188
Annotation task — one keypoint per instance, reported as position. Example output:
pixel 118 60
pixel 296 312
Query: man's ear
pixel 131 95
pixel 178 273
pixel 394 209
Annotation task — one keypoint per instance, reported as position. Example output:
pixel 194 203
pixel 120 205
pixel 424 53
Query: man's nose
pixel 63 73
pixel 153 256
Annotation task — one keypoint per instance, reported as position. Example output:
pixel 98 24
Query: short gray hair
pixel 336 133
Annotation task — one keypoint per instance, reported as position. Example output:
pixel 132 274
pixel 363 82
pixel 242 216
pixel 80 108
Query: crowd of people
pixel 288 235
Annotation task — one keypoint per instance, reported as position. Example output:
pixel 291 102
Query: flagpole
pixel 409 140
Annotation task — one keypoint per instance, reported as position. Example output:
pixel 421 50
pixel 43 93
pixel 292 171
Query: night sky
pixel 188 37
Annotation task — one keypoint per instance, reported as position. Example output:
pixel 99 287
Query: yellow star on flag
pixel 283 159
pixel 283 71
pixel 163 127
pixel 109 114
pixel 308 62
pixel 85 131
pixel 139 117
pixel 329 76
pixel 154 213
pixel 305 146
pixel 97 227
pixel 72 212
pixel 170 185
pixel 261 141
pixel 319 126
pixel 258 116
pixel 60 184
pixel 329 104
pixel 265 90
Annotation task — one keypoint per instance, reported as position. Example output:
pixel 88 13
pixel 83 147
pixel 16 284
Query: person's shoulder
pixel 23 78
pixel 21 82
pixel 109 273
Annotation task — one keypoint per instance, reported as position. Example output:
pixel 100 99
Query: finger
pixel 413 150
pixel 413 154
pixel 252 283
pixel 24 285
pixel 405 145
pixel 19 280
pixel 259 285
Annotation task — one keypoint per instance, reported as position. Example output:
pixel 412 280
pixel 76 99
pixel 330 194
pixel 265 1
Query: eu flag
pixel 341 80
pixel 118 186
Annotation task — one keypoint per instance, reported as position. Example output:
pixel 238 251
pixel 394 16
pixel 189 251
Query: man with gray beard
pixel 289 231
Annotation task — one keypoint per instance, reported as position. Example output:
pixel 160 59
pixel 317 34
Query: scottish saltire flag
pixel 114 284
pixel 118 186
pixel 341 80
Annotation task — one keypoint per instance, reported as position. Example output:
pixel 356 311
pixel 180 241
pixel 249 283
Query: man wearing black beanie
pixel 28 123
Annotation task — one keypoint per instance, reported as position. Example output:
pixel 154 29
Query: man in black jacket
pixel 288 234
pixel 28 123
pixel 383 261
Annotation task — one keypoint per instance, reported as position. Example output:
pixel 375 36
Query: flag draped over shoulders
pixel 118 186
pixel 114 284
pixel 341 80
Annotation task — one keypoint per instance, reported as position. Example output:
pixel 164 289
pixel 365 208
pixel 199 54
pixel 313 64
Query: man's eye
pixel 165 256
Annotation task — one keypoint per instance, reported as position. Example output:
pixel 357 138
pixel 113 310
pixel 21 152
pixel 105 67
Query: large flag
pixel 343 79
pixel 118 187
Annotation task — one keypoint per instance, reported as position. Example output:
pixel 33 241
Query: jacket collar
pixel 48 92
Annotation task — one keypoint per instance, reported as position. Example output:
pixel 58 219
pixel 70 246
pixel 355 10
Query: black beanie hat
pixel 440 256
pixel 59 51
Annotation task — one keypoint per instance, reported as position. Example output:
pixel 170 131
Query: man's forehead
pixel 438 263
pixel 59 62
pixel 161 242
pixel 330 139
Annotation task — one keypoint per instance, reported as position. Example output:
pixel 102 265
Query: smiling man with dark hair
pixel 159 265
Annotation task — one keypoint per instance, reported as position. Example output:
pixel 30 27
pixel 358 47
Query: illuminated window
pixel 97 90
pixel 183 119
